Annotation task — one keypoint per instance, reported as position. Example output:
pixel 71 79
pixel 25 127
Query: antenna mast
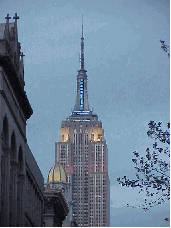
pixel 82 48
pixel 82 25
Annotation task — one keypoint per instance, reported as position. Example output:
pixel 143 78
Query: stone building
pixel 21 188
pixel 58 205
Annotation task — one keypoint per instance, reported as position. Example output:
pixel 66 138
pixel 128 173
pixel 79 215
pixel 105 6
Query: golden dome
pixel 57 173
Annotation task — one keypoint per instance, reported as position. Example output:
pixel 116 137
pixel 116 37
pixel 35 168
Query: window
pixel 82 94
pixel 92 137
pixel 62 138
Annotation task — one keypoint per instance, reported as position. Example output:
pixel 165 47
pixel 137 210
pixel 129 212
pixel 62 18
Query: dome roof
pixel 57 173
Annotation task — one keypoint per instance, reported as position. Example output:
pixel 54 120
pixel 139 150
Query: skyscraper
pixel 82 151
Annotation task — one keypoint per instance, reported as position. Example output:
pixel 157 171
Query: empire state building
pixel 82 151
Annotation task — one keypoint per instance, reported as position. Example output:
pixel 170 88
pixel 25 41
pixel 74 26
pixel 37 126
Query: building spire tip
pixel 82 26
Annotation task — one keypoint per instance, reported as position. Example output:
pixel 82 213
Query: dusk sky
pixel 128 81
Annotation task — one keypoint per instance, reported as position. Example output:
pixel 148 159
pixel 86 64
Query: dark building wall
pixel 34 197
pixel 17 164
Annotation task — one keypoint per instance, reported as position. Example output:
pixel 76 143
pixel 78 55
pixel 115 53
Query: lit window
pixel 92 137
pixel 62 138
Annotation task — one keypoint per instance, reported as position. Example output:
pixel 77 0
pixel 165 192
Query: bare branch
pixel 153 170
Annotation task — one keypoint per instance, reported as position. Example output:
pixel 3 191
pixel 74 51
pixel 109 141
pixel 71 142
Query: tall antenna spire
pixel 82 48
pixel 82 25
pixel 81 105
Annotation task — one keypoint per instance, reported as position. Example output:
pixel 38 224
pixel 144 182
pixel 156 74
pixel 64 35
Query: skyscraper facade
pixel 82 151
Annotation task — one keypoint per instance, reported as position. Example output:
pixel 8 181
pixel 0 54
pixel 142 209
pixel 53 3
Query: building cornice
pixel 57 198
pixel 14 116
pixel 6 63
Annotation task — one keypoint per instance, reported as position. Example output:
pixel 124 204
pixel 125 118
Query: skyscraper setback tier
pixel 82 151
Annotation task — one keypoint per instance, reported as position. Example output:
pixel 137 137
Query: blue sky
pixel 128 81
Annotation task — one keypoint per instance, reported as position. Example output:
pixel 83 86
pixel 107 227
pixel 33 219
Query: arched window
pixel 20 161
pixel 13 181
pixel 20 188
pixel 5 138
pixel 13 148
